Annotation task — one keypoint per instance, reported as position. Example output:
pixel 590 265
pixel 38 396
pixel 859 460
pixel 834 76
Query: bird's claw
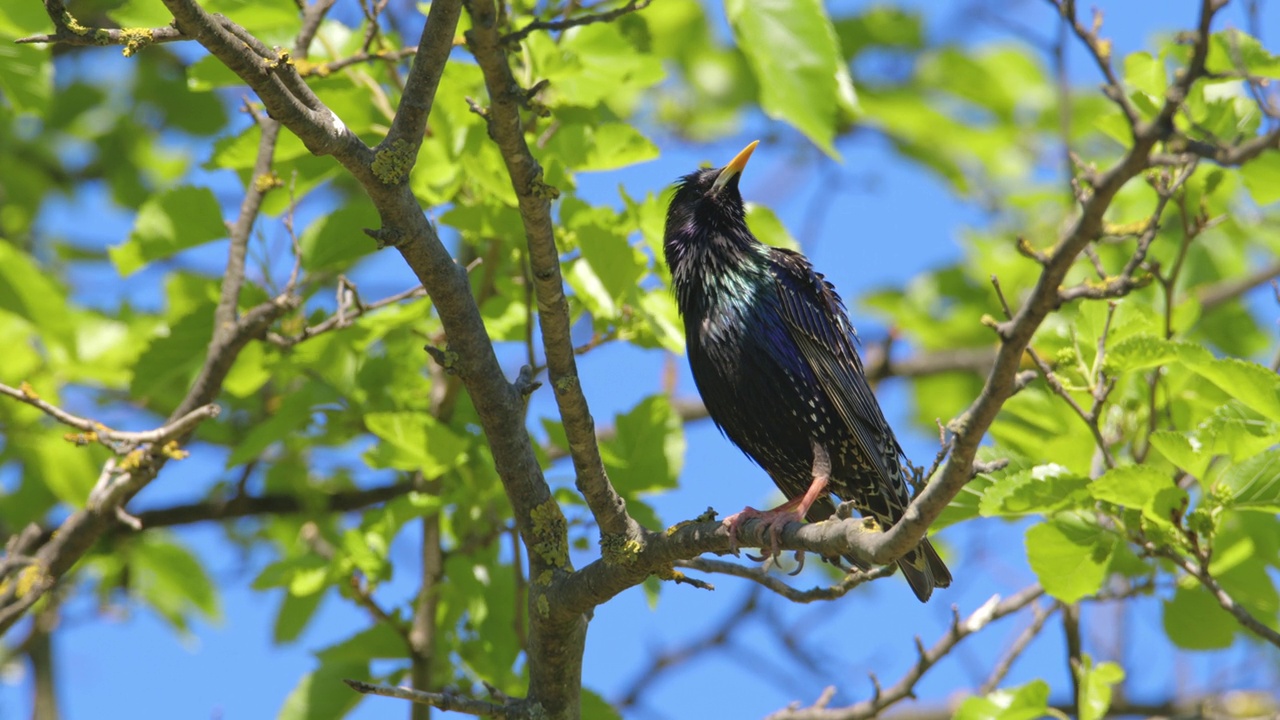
pixel 775 520
pixel 800 565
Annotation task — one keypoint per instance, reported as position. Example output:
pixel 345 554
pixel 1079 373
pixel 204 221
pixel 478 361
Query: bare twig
pixel 576 21
pixel 70 31
pixel 445 701
pixel 771 582
pixel 119 440
pixel 992 610
pixel 1020 644
pixel 1200 571
pixel 349 310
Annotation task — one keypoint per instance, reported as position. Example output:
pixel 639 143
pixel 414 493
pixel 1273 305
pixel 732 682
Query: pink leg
pixel 792 510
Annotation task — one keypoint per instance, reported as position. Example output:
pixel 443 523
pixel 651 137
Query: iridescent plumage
pixel 772 352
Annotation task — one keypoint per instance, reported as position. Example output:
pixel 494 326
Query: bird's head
pixel 707 211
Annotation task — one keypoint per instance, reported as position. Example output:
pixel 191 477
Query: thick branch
pixel 270 74
pixel 970 427
pixel 436 43
pixel 505 127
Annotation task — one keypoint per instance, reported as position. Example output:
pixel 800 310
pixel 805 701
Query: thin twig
pixel 565 24
pixel 990 611
pixel 450 702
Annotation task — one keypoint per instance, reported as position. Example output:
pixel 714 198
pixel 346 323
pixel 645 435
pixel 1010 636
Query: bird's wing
pixel 817 321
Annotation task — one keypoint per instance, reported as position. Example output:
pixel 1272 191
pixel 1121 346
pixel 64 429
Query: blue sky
pixel 890 222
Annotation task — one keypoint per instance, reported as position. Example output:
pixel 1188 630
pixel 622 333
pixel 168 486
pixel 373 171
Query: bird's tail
pixel 924 570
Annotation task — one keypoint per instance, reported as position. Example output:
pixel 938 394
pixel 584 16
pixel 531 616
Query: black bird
pixel 772 352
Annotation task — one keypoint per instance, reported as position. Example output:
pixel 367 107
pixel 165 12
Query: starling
pixel 772 352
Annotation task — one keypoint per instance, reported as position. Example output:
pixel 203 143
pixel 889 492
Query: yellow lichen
pixel 619 550
pixel 28 391
pixel 306 68
pixel 135 39
pixel 132 461
pixel 544 607
pixel 391 165
pixel 174 451
pixel 81 439
pixel 707 515
pixel 669 573
pixel 71 23
pixel 28 578
pixel 551 531
pixel 267 181
pixel 544 578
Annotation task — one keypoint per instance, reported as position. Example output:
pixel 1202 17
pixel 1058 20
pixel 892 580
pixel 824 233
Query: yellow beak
pixel 734 168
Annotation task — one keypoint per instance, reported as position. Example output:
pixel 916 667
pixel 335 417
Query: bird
pixel 773 355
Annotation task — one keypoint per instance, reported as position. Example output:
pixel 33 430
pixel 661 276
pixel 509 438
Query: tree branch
pixel 445 701
pixel 588 19
pixel 763 577
pixel 505 127
pixel 273 504
pixel 69 31
pixel 118 440
pixel 992 610
pixel 1200 571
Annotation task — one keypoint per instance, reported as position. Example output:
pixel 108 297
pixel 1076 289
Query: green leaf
pixel 594 64
pixel 596 707
pixel 337 240
pixel 1183 451
pixel 1041 489
pixel 613 260
pixel 1140 352
pixel 26 76
pixel 69 472
pixel 290 419
pixel 1253 385
pixel 880 26
pixel 172 580
pixel 249 373
pixel 648 450
pixel 766 226
pixel 1146 73
pixel 793 50
pixel 380 641
pixel 1194 620
pixel 1095 687
pixel 1254 484
pixel 594 147
pixel 414 441
pixel 29 293
pixel 1070 556
pixel 321 695
pixel 171 359
pixel 167 223
pixel 1028 702
pixel 302 575
pixel 1232 50
pixel 1130 485
pixel 1262 177
pixel 295 613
